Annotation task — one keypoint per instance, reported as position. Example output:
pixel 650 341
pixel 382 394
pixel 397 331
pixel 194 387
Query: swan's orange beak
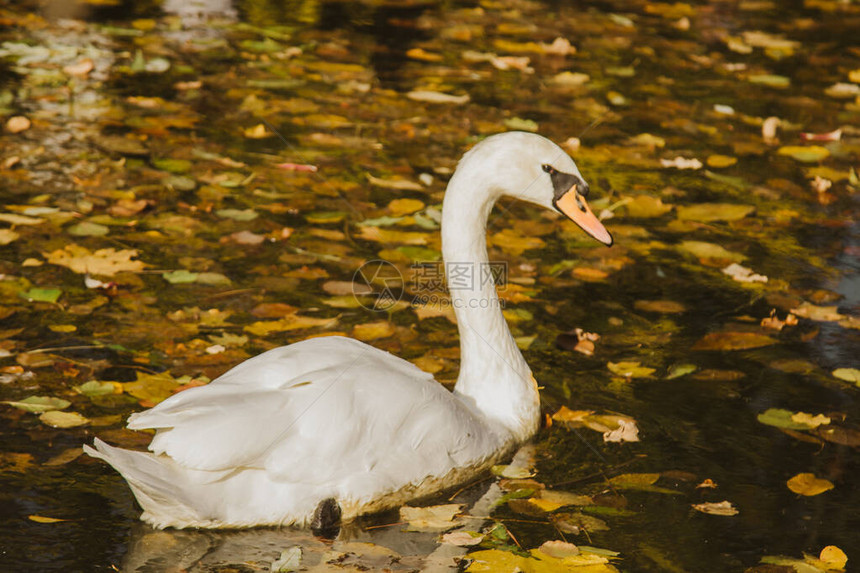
pixel 577 210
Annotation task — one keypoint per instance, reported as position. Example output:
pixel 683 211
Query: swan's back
pixel 323 418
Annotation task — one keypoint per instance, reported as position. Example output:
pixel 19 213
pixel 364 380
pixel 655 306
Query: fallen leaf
pixel 512 471
pixel 7 236
pixel 848 374
pixel 58 419
pixel 805 154
pixel 106 262
pixel 291 322
pixel 44 519
pixel 627 431
pixel 258 131
pixel 743 274
pixel 40 404
pixel 559 549
pixel 646 206
pixel 64 457
pixel 780 418
pixel 818 313
pixel 809 420
pixel 716 508
pixel 719 161
pixel 703 250
pixel 707 212
pixel 395 184
pixel 373 330
pixel 733 341
pixel 429 96
pixel 630 369
pixel 809 485
pixel 17 124
pixel 515 243
pixel 832 556
pixel 462 538
pixel 681 163
pixel 431 518
pixel 661 306
pixel 151 388
pixel 399 207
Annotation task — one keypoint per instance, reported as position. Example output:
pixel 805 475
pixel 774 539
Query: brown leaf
pixel 733 341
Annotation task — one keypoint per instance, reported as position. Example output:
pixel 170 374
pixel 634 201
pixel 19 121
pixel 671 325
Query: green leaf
pixel 237 214
pixel 40 404
pixel 88 229
pixel 180 277
pixel 97 388
pixel 520 124
pixel 780 418
pixel 805 154
pixel 42 294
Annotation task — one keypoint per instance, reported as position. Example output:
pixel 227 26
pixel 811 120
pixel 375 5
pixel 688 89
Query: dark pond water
pixel 148 131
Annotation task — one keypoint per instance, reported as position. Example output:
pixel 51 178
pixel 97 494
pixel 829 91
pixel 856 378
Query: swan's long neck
pixel 494 377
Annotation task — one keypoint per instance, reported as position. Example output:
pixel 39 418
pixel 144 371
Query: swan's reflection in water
pixel 368 544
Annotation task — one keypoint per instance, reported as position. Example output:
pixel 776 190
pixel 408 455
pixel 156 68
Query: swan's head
pixel 534 169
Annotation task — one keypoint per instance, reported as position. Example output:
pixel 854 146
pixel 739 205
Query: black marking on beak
pixel 563 182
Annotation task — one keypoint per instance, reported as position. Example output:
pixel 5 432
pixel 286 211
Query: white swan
pixel 290 430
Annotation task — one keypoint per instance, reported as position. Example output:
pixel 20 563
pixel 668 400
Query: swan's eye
pixel 548 168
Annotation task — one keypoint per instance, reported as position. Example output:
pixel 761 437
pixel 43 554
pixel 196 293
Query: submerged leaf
pixel 706 212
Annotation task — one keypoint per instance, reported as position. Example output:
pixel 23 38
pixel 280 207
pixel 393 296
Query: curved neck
pixel 494 378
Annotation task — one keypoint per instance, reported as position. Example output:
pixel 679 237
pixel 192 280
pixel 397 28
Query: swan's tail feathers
pixel 155 482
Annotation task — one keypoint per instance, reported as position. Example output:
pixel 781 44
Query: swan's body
pixel 334 418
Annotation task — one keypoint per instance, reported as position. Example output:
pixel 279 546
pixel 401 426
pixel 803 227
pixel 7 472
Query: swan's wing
pixel 313 412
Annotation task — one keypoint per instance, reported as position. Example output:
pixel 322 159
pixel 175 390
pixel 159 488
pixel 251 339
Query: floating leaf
pixel 832 556
pixel 630 369
pixel 289 560
pixel 437 97
pixel 431 518
pixel 99 388
pixel 719 161
pixel 50 295
pixel 58 419
pixel 743 274
pixel 88 229
pixel 520 124
pixel 559 549
pixel 405 206
pixel 627 431
pixel 107 262
pixel 515 243
pixel 716 508
pixel 40 404
pixel 151 388
pixel 661 306
pixel 373 330
pixel 292 322
pixel 707 212
pixel 679 370
pixel 848 374
pixel 7 236
pixel 703 250
pixel 180 277
pixel 462 538
pixel 395 184
pixel 646 206
pixel 780 418
pixel 44 519
pixel 805 154
pixel 733 341
pixel 809 485
pixel 512 471
pixel 237 214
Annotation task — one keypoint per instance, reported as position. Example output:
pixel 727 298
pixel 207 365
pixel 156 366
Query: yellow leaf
pixel 545 504
pixel 831 555
pixel 259 131
pixel 106 262
pixel 62 327
pixel 717 161
pixel 373 330
pixel 807 484
pixel 805 154
pixel 706 212
pixel 389 236
pixel 400 207
pixel 589 274
pixel 514 243
pixel 292 322
pixel 43 519
pixel 58 419
pixel 152 388
pixel 630 369
pixel 646 206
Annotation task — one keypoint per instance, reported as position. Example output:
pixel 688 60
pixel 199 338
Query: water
pixel 340 104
